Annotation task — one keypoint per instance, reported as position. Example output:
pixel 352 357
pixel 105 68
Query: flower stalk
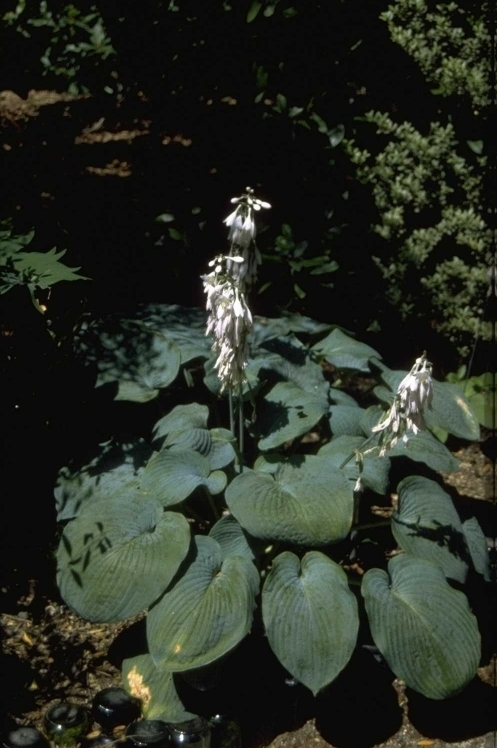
pixel 226 286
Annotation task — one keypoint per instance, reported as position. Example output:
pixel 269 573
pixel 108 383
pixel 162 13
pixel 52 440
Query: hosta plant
pixel 212 540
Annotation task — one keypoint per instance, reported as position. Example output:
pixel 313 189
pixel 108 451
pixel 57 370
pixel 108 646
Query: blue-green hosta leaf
pixel 450 411
pixel 114 470
pixel 310 616
pixel 307 502
pixel 216 482
pixel 155 688
pixel 339 397
pixel 477 546
pixel 185 427
pixel 291 361
pixel 172 475
pixel 222 451
pixel 134 392
pixel 424 447
pixel 266 328
pixel 182 418
pixel 375 469
pixel 421 447
pixel 423 627
pixel 119 555
pixel 128 351
pixel 427 525
pixel 185 326
pixel 207 612
pixel 286 413
pixel 344 352
pixel 345 420
pixel 233 539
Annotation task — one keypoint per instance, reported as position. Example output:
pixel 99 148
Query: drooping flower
pixel 230 320
pixel 242 235
pixel 413 397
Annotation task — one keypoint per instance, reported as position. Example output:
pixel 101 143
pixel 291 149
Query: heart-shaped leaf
pixel 310 616
pixel 346 420
pixel 182 418
pixel 477 546
pixel 233 539
pixel 115 469
pixel 155 688
pixel 375 470
pixel 423 627
pixel 450 410
pixel 427 525
pixel 344 352
pixel 307 502
pixel 286 413
pixel 208 611
pixel 171 476
pixel 119 555
pixel 185 326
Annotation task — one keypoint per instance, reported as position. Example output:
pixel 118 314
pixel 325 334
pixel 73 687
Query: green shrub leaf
pixel 310 616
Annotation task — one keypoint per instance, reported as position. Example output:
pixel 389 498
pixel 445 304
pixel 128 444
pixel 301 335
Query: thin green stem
pixel 349 458
pixel 372 525
pixel 212 503
pixel 240 425
pixel 232 415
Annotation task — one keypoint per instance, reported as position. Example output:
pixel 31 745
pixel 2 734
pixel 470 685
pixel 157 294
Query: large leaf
pixel 346 420
pixel 344 352
pixel 423 627
pixel 185 427
pixel 119 555
pixel 233 539
pixel 208 611
pixel 181 418
pixel 420 447
pixel 139 358
pixel 185 326
pixel 427 525
pixel 375 470
pixel 450 410
pixel 291 361
pixel 266 328
pixel 310 616
pixel 478 548
pixel 155 688
pixel 173 475
pixel 286 413
pixel 115 469
pixel 306 502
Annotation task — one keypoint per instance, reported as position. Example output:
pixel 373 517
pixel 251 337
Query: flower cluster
pixel 229 322
pixel 414 395
pixel 242 237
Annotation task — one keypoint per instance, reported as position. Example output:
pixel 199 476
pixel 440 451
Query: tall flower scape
pixel 227 287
